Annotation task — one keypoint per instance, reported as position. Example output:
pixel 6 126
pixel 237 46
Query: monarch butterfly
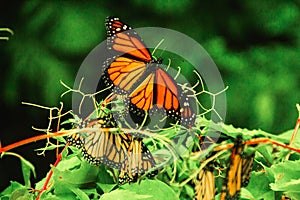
pixel 109 145
pixel 137 74
pixel 139 161
pixel 102 146
pixel 238 174
pixel 205 185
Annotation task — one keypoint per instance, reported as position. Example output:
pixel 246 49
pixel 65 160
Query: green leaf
pixel 287 178
pixel 92 193
pixel 259 186
pixel 27 168
pixel 154 189
pixel 264 155
pixel 106 187
pixel 49 196
pixel 147 189
pixel 61 139
pixel 80 194
pixel 245 194
pixel 105 180
pixel 21 194
pixel 123 195
pixel 11 188
pixel 288 134
pixel 284 173
pixel 189 191
pixel 71 177
pixel 85 173
pixel 16 191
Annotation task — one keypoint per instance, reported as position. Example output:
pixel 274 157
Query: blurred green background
pixel 255 45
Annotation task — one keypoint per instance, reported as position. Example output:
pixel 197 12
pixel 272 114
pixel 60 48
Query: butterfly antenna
pixel 178 72
pixel 169 64
pixel 156 47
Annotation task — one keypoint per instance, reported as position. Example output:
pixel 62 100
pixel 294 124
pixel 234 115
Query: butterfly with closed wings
pixel 107 144
pixel 238 174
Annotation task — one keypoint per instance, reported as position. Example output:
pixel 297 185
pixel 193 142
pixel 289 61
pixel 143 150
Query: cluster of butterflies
pixel 132 73
pixel 238 176
pixel 105 143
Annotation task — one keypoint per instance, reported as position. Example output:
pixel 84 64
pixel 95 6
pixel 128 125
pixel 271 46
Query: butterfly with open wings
pixel 135 73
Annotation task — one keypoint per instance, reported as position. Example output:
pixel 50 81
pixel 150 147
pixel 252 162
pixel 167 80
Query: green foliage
pixel 16 191
pixel 148 189
pixel 271 177
pixel 288 182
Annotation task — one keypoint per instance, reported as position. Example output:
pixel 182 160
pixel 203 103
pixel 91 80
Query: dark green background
pixel 255 45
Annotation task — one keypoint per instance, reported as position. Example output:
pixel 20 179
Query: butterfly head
pixel 159 60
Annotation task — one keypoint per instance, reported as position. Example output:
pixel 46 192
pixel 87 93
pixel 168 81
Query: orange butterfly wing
pixel 166 92
pixel 123 39
pixel 125 72
pixel 142 96
pixel 158 89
